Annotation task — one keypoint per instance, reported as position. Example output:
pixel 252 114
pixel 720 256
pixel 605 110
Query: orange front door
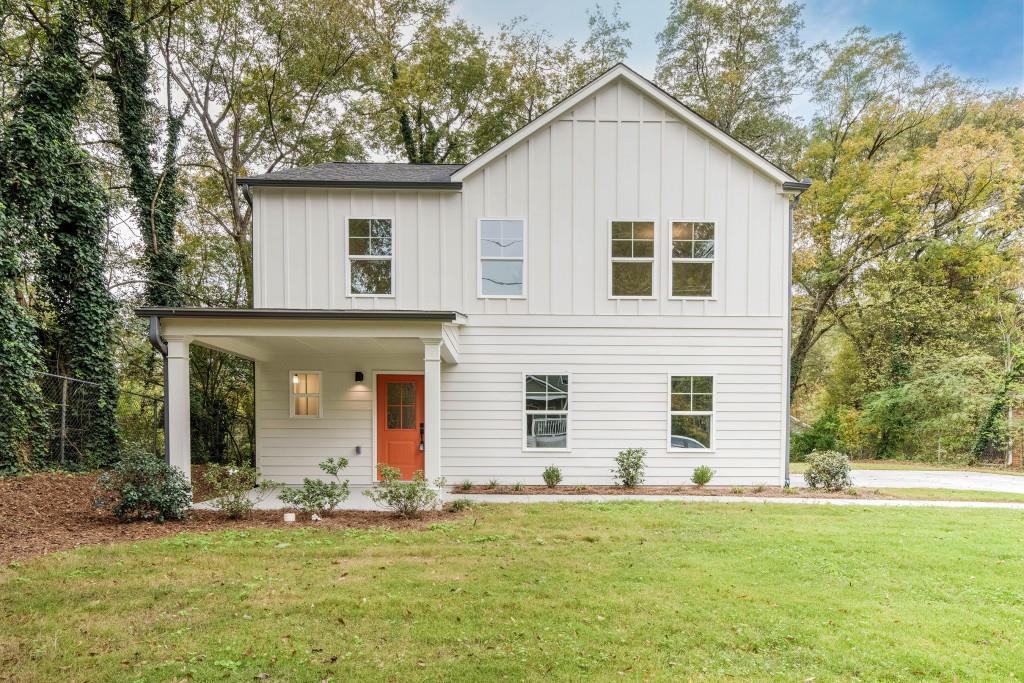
pixel 400 423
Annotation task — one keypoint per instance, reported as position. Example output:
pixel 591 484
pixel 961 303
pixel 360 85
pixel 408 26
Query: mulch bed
pixel 749 491
pixel 44 513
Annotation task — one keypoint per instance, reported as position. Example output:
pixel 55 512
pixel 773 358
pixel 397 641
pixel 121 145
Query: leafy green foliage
pixel 142 486
pixel 702 474
pixel 828 470
pixel 552 476
pixel 404 498
pixel 238 488
pixel 461 505
pixel 822 435
pixel 318 497
pixel 629 467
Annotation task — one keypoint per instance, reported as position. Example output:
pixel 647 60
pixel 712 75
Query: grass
pixel 801 467
pixel 628 590
pixel 952 494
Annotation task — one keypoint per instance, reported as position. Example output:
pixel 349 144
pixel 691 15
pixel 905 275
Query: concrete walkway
pixel 930 479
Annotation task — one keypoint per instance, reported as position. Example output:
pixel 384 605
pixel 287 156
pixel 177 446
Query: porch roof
pixel 298 314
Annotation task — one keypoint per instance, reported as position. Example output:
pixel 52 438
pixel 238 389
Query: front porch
pixel 337 359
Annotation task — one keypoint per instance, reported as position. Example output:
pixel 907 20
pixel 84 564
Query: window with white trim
pixel 370 257
pixel 632 259
pixel 546 409
pixel 693 259
pixel 691 411
pixel 502 257
pixel 304 389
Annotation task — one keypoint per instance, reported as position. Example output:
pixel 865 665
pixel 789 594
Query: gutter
pixel 160 345
pixel 797 188
pixel 352 184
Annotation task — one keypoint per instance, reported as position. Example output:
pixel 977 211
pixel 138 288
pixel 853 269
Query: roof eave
pixel 297 314
pixel 349 184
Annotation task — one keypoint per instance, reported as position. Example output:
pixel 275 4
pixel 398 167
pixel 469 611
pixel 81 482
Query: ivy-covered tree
pixel 157 200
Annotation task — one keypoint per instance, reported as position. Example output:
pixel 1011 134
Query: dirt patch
pixel 749 491
pixel 44 513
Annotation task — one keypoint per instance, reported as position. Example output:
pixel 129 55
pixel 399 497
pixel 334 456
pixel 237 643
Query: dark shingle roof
pixel 346 174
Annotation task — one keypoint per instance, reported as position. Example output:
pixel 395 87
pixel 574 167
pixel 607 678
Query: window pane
pixel 558 383
pixel 702 402
pixel 643 249
pixel 394 393
pixel 622 230
pixel 394 417
pixel 547 431
pixel 643 231
pixel 632 279
pixel 682 385
pixel 536 384
pixel 682 231
pixel 622 248
pixel 704 249
pixel 359 227
pixel 300 405
pixel 409 417
pixel 408 393
pixel 501 278
pixel 379 246
pixel 691 431
pixel 371 277
pixel 704 231
pixel 313 405
pixel 501 238
pixel 703 385
pixel 380 227
pixel 682 249
pixel 359 246
pixel 312 383
pixel 299 383
pixel 681 402
pixel 691 279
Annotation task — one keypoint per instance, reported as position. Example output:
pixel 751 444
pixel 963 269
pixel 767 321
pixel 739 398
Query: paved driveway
pixel 932 479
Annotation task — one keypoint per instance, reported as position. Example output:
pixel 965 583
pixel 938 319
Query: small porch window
pixel 371 262
pixel 546 412
pixel 304 390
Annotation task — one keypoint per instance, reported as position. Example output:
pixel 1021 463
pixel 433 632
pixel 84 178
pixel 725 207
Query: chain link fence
pixel 69 405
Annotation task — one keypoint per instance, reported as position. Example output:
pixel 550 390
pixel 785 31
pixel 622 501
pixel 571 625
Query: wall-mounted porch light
pixel 359 376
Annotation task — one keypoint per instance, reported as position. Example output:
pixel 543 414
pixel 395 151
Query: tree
pixel 738 63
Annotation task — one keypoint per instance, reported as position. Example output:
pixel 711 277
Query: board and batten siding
pixel 619 155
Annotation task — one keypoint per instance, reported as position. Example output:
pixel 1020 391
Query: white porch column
pixel 179 429
pixel 432 409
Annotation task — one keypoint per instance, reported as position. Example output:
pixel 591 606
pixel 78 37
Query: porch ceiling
pixel 268 348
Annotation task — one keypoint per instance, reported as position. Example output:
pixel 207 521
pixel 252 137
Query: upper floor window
pixel 632 259
pixel 370 257
pixel 546 412
pixel 693 259
pixel 502 257
pixel 305 394
pixel 691 412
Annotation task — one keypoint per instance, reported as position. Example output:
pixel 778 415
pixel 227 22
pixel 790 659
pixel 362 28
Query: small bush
pixel 517 487
pixel 142 486
pixel 233 487
pixel 404 498
pixel 629 467
pixel 492 484
pixel 318 497
pixel 702 475
pixel 828 470
pixel 466 485
pixel 552 476
pixel 461 504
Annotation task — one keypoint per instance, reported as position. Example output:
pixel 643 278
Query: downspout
pixel 160 345
pixel 799 188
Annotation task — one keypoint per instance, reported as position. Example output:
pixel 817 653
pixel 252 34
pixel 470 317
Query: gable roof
pixel 621 71
pixel 361 174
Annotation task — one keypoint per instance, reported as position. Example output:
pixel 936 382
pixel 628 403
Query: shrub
pixel 466 485
pixel 518 486
pixel 318 497
pixel 552 476
pixel 142 486
pixel 460 504
pixel 233 487
pixel 829 470
pixel 629 467
pixel 404 498
pixel 492 484
pixel 702 475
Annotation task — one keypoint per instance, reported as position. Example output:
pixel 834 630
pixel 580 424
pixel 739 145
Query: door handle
pixel 421 436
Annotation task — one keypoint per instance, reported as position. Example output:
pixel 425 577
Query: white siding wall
pixel 616 155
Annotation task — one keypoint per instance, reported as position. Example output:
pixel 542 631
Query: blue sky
pixel 982 39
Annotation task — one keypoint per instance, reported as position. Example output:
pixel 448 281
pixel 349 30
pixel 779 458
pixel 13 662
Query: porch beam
pixel 432 409
pixel 179 433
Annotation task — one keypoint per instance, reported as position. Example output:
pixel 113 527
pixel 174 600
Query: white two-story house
pixel 615 274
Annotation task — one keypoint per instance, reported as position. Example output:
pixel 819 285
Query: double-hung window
pixel 546 412
pixel 691 412
pixel 370 257
pixel 693 259
pixel 502 248
pixel 632 259
pixel 304 394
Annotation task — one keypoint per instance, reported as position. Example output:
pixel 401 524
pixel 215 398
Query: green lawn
pixel 615 591
pixel 952 494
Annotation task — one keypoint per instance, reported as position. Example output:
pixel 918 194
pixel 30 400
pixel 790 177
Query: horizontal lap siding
pixel 618 399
